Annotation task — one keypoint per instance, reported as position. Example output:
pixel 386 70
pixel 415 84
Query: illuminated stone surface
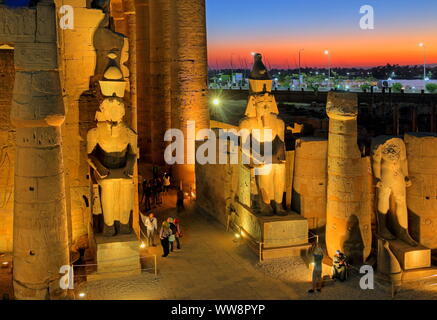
pixel 349 205
pixel 422 195
pixel 40 244
pixel 112 153
pixel 310 180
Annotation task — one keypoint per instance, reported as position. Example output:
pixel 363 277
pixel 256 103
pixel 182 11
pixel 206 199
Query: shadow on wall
pixel 353 243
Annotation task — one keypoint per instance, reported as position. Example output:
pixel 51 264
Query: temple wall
pixel 216 188
pixel 78 53
pixel 422 195
pixel 7 150
pixel 310 180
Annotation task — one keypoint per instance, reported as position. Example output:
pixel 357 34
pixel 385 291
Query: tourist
pixel 180 200
pixel 174 230
pixel 158 191
pixel 176 222
pixel 164 235
pixel 151 224
pixel 166 182
pixel 152 193
pixel 339 266
pixel 147 192
pixel 317 280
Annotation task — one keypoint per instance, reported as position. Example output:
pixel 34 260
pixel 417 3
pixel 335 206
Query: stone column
pixel 348 219
pixel 144 112
pixel 189 74
pixel 160 75
pixel 40 220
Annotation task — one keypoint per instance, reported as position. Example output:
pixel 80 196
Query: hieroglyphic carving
pixel 17 25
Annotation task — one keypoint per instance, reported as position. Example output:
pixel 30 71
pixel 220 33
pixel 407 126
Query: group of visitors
pixel 169 233
pixel 152 191
pixel 339 268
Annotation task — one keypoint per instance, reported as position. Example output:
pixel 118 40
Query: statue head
pixel 111 110
pixel 259 71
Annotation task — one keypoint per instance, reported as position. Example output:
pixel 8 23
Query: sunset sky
pixel 279 28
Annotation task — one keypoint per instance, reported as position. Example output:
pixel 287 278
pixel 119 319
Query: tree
pixel 431 87
pixel 397 87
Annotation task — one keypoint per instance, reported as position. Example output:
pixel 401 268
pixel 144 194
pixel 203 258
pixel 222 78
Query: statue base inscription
pixel 117 256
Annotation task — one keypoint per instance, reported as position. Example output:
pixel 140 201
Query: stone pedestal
pixel 276 236
pixel 116 256
pixel 411 257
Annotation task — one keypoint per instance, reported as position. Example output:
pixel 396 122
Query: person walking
pixel 151 224
pixel 174 230
pixel 164 235
pixel 147 192
pixel 180 200
pixel 176 222
pixel 158 194
pixel 152 193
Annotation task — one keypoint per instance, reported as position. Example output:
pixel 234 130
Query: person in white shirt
pixel 151 224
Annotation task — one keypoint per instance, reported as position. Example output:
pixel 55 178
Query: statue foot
pixel 405 236
pixel 108 231
pixel 265 209
pixel 279 209
pixel 382 230
pixel 125 228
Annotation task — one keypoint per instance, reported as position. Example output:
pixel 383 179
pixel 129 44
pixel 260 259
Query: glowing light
pixel 237 235
pixel 326 52
pixel 82 295
pixel 421 44
pixel 142 245
pixel 253 53
pixel 216 102
pixel 427 79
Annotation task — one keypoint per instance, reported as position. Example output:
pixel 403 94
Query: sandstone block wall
pixel 78 53
pixel 7 149
pixel 422 195
pixel 310 180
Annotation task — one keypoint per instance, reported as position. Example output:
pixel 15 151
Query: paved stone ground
pixel 214 265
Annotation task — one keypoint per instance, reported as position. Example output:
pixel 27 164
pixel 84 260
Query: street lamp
pixel 300 73
pixel 329 67
pixel 422 45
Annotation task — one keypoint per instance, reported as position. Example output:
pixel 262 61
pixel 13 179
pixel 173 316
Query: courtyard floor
pixel 213 265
